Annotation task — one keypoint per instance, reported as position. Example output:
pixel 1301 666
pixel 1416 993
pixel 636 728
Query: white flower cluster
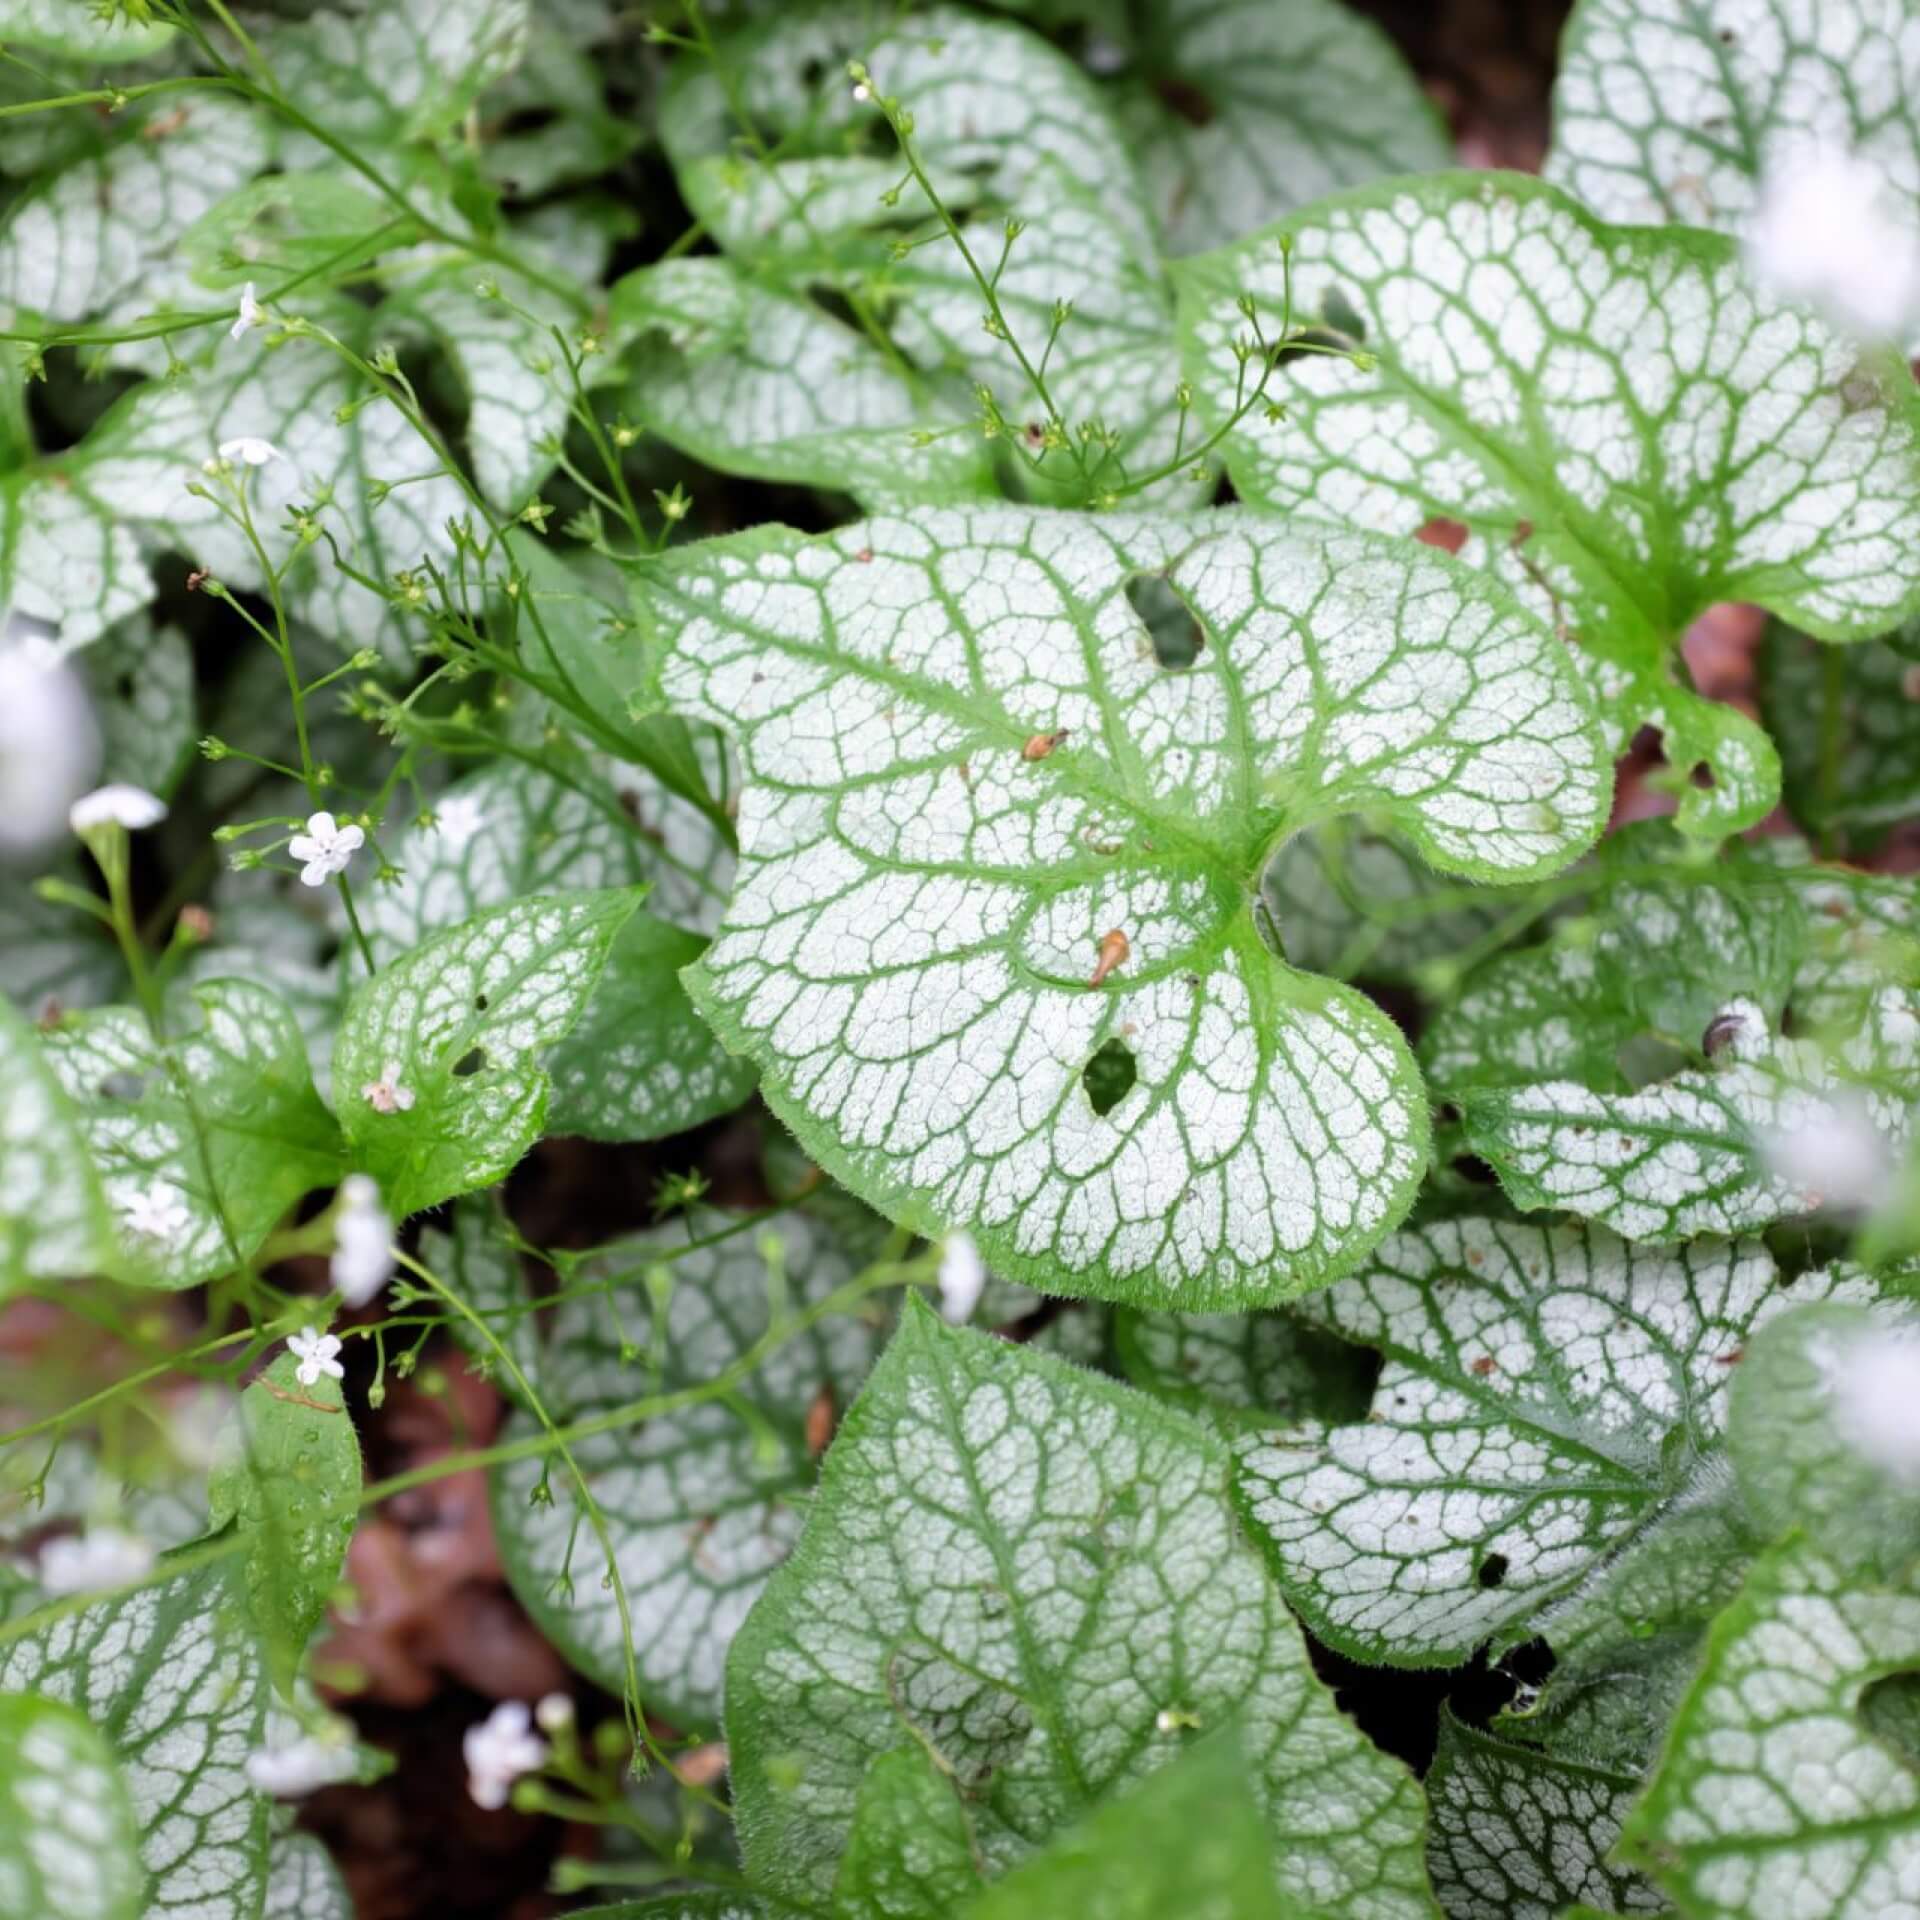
pixel 49 744
pixel 94 1561
pixel 962 1278
pixel 504 1746
pixel 1873 1387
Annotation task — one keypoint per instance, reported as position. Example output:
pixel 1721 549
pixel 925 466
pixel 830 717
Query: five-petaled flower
pixel 251 314
pixel 117 805
pixel 325 848
pixel 315 1351
pixel 362 1237
pixel 388 1094
pixel 499 1750
pixel 156 1212
pixel 249 450
pixel 91 1562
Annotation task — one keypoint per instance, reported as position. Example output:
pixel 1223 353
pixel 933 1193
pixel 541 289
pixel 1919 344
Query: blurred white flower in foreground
pixel 300 1767
pixel 1834 1156
pixel 49 745
pixel 363 1240
pixel 458 819
pixel 316 1353
pixel 117 805
pixel 1830 234
pixel 93 1561
pixel 325 848
pixel 1873 1386
pixel 963 1278
pixel 249 451
pixel 499 1750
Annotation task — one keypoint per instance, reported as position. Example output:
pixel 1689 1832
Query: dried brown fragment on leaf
pixel 1043 744
pixel 1113 953
pixel 1448 535
pixel 822 1416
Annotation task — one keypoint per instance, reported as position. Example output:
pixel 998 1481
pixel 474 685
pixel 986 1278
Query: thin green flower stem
pixel 596 1517
pixel 111 97
pixel 273 97
pixel 159 1370
pixel 890 111
pixel 729 86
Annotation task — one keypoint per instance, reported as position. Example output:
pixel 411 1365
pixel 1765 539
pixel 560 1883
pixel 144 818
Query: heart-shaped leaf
pixel 1773 1129
pixel 202 1141
pixel 1611 420
pixel 1669 111
pixel 436 1067
pixel 1545 1394
pixel 1772 1797
pixel 753 379
pixel 167 1674
pixel 1665 945
pixel 1035 1575
pixel 1241 110
pixel 994 945
pixel 639 1064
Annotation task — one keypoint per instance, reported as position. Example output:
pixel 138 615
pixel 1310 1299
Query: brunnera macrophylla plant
pixel 993 647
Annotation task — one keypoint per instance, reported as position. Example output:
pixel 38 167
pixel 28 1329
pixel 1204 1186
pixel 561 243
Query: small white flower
pixel 157 1212
pixel 49 744
pixel 387 1094
pixel 499 1750
pixel 1873 1386
pixel 249 450
pixel 325 848
pixel 363 1240
pixel 554 1713
pixel 308 1763
pixel 117 805
pixel 91 1562
pixel 315 1351
pixel 251 314
pixel 1828 233
pixel 963 1278
pixel 862 93
pixel 458 819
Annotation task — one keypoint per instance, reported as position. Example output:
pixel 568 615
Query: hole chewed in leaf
pixel 1109 1076
pixel 1177 636
pixel 1493 1571
pixel 469 1063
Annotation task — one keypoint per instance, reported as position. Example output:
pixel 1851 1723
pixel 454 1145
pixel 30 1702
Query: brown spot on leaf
pixel 1448 535
pixel 1483 1366
pixel 1114 949
pixel 1042 744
